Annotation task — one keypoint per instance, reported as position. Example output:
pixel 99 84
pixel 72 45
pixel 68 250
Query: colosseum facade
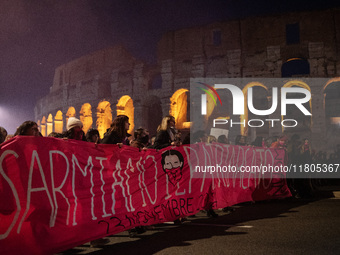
pixel 97 87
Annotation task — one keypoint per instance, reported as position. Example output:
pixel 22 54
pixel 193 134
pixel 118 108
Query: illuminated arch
pixel 244 117
pixel 179 108
pixel 125 107
pixel 297 83
pixel 49 124
pixel 43 126
pixel 337 79
pixel 104 117
pixel 330 102
pixel 301 84
pixel 71 112
pixel 58 122
pixel 86 116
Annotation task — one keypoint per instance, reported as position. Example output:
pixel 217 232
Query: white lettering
pixel 15 193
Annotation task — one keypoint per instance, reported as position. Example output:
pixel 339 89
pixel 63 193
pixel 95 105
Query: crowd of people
pixel 299 150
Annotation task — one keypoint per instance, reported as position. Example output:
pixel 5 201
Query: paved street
pixel 290 226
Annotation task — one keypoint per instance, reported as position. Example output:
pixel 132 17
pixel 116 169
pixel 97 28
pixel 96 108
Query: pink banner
pixel 58 194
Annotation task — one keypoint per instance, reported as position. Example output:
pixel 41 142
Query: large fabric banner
pixel 56 194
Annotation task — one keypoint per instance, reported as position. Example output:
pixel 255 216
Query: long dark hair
pixel 258 141
pixel 238 139
pixel 90 133
pixel 118 125
pixel 24 127
pixel 3 134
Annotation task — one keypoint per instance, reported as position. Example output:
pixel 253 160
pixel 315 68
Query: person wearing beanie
pixel 73 122
pixel 74 129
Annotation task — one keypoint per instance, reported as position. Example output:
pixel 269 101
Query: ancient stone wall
pixel 253 47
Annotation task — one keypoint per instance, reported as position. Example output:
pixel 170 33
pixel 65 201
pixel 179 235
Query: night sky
pixel 36 36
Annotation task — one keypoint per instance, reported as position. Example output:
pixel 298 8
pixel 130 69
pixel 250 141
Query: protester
pixel 272 140
pixel 241 140
pixel 259 142
pixel 293 159
pixel 293 149
pixel 304 185
pixel 117 133
pixel 198 137
pixel 74 130
pixel 223 139
pixel 141 138
pixel 306 152
pixel 281 143
pixel 55 135
pixel 3 134
pixel 211 139
pixel 166 133
pixel 28 128
pixel 93 136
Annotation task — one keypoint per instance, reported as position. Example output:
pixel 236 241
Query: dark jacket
pixel 162 140
pixel 113 138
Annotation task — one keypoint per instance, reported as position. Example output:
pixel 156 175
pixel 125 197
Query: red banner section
pixel 58 194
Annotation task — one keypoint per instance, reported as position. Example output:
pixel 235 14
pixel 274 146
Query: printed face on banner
pixel 172 163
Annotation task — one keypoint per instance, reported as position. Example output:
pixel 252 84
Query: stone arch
pixel 256 98
pixel 43 126
pixel 179 108
pixel 49 124
pixel 104 117
pixel 58 122
pixel 86 116
pixel 294 67
pixel 331 104
pixel 71 112
pixel 154 113
pixel 125 107
pixel 307 121
pixel 333 80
